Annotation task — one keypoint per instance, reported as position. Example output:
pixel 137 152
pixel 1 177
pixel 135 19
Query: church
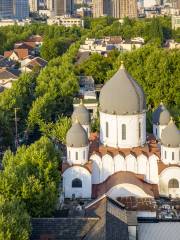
pixel 122 160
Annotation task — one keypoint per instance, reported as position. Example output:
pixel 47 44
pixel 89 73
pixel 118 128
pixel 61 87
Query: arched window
pixel 107 130
pixel 156 131
pixel 76 183
pixel 76 155
pixel 165 156
pixel 123 131
pixel 84 155
pixel 172 155
pixel 173 183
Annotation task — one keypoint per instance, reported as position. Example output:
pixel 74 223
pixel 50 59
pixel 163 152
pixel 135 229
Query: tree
pixel 57 130
pixel 14 220
pixel 32 176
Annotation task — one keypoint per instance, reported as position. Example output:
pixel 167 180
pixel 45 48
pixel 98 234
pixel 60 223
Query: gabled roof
pixel 37 61
pixel 9 73
pixel 20 52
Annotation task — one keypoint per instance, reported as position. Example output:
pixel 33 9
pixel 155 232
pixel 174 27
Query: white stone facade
pixel 82 174
pixel 157 130
pixel 77 155
pixel 170 155
pixel 111 130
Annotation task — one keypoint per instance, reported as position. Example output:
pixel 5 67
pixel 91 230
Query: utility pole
pixel 16 128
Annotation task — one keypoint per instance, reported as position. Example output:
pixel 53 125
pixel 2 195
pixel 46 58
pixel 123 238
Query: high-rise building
pixel 34 5
pixel 124 8
pixel 63 7
pixel 21 9
pixel 6 9
pixel 101 8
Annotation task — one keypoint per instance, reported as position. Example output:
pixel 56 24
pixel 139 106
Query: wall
pixel 165 176
pixel 168 158
pixel 115 130
pixel 82 174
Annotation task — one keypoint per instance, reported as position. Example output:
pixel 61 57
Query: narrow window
pixel 156 131
pixel 139 130
pixel 69 154
pixel 107 130
pixel 87 131
pixel 76 155
pixel 84 155
pixel 123 131
pixel 165 156
pixel 172 155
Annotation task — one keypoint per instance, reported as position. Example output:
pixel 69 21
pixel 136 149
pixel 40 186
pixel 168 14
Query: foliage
pixel 19 96
pixel 57 130
pixel 56 86
pixel 96 66
pixel 52 48
pixel 32 176
pixel 14 220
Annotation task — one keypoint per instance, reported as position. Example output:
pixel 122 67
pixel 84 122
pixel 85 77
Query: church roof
pixel 82 114
pixel 76 136
pixel 122 95
pixel 161 115
pixel 171 135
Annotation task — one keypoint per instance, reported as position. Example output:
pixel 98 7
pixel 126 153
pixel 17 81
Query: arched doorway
pixel 173 187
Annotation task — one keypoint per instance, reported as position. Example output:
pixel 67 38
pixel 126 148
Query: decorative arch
pixel 119 163
pixel 96 168
pixel 76 183
pixel 107 166
pixel 131 163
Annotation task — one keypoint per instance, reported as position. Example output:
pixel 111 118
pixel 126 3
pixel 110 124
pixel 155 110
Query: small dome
pixel 122 95
pixel 82 114
pixel 171 135
pixel 161 115
pixel 76 136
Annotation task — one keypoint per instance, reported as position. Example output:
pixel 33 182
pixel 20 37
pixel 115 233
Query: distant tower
pixel 6 9
pixel 63 7
pixel 21 9
pixel 101 8
pixel 82 114
pixel 161 118
pixel 124 8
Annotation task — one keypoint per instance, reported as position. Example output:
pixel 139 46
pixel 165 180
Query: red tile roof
pixel 20 52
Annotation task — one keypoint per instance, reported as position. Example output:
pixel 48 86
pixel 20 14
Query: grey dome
pixel 82 114
pixel 161 115
pixel 76 136
pixel 171 135
pixel 122 95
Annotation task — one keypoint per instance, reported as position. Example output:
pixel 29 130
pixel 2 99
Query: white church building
pixel 122 160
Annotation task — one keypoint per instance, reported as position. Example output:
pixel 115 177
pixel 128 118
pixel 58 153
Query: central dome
pixel 122 95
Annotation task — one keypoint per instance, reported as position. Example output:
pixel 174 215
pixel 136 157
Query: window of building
pixel 76 155
pixel 107 129
pixel 69 154
pixel 76 183
pixel 156 131
pixel 172 155
pixel 165 154
pixel 173 183
pixel 84 155
pixel 139 130
pixel 123 131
